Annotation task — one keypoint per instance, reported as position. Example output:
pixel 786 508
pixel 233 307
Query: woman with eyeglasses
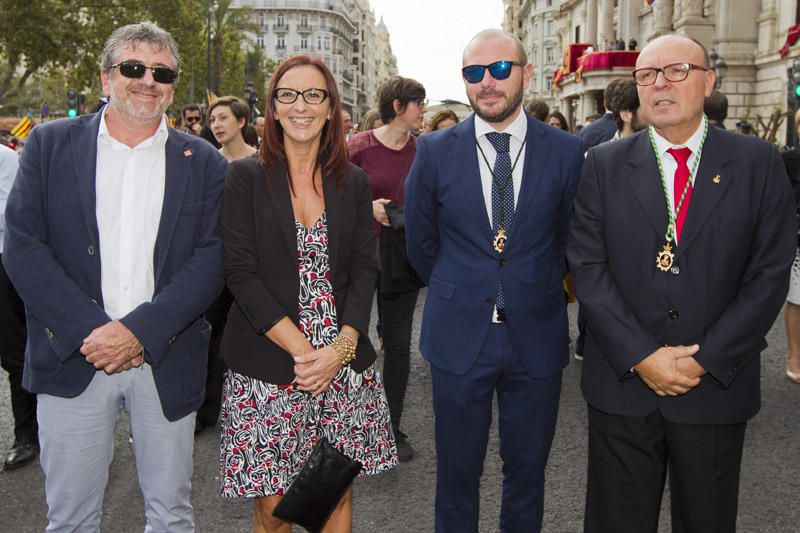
pixel 386 155
pixel 299 260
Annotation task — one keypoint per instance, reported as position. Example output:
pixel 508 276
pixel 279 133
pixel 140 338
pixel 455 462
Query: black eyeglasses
pixel 193 119
pixel 674 73
pixel 421 102
pixel 135 70
pixel 310 96
pixel 499 70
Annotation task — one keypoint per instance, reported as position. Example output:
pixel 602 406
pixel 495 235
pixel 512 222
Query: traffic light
pixel 73 102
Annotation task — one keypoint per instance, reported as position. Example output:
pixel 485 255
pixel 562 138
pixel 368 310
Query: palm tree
pixel 227 23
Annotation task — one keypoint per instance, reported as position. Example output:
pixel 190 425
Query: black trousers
pixel 12 357
pixel 217 316
pixel 629 458
pixel 397 310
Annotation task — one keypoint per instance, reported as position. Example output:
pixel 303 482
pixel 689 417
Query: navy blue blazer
pixel 598 132
pixel 449 242
pixel 727 284
pixel 52 255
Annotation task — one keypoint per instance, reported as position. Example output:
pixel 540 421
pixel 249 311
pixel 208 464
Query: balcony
pixel 307 28
pixel 283 28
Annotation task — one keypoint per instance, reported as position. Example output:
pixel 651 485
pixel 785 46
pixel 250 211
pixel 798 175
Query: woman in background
pixel 442 119
pixel 227 118
pixel 558 120
pixel 386 155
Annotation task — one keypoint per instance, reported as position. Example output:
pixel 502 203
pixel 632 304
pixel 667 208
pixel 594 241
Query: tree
pixel 30 40
pixel 227 28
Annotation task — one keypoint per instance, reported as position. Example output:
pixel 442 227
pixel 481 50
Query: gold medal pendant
pixel 664 258
pixel 500 240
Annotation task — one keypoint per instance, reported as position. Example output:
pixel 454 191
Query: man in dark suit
pixel 604 128
pixel 680 250
pixel 112 242
pixel 488 203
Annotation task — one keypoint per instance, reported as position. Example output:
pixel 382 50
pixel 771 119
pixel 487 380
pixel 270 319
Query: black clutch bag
pixel 319 486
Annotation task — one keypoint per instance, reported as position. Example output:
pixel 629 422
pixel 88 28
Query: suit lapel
pixel 644 180
pixel 466 163
pixel 536 150
pixel 280 197
pixel 333 208
pixel 83 136
pixel 706 192
pixel 177 173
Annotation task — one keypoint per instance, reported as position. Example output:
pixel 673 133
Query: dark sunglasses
pixel 499 70
pixel 135 70
pixel 193 119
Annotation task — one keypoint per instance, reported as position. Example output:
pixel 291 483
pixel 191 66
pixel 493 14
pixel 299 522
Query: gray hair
pixel 132 35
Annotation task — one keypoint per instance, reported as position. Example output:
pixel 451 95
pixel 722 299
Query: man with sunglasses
pixel 680 249
pixel 487 206
pixel 112 242
pixel 192 119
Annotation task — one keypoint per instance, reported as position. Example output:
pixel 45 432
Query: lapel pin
pixel 716 179
pixel 188 153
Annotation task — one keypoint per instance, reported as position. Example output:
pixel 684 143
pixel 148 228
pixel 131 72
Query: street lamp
pixel 720 67
pixel 212 6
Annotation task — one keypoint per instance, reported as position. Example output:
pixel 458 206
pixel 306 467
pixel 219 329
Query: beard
pixel 513 101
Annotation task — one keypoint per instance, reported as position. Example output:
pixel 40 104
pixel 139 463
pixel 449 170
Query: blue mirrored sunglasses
pixel 499 70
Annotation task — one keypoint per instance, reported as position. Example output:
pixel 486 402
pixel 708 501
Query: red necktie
pixel 681 155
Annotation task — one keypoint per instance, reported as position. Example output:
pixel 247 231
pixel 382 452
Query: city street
pixel 402 500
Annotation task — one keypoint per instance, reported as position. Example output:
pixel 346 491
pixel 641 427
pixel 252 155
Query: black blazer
pixel 729 278
pixel 261 270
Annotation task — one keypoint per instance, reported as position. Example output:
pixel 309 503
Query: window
pixel 304 43
pixel 261 19
pixel 304 21
pixel 319 42
pixel 281 44
pixel 548 55
pixel 549 83
pixel 327 43
pixel 260 41
pixel 280 22
pixel 549 27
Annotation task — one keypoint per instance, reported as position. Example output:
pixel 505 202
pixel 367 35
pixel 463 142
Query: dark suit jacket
pixel 727 285
pixel 261 270
pixel 598 132
pixel 449 240
pixel 52 254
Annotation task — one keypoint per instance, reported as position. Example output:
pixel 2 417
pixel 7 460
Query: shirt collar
pixel 159 136
pixel 517 129
pixel 693 143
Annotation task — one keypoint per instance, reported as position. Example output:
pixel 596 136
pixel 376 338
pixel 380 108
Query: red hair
pixel 332 155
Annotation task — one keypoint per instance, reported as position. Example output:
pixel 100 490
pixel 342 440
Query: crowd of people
pixel 223 273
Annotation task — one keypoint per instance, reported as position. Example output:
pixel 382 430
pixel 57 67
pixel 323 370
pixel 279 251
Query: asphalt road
pixel 402 499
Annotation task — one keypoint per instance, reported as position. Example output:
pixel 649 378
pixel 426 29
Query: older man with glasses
pixel 680 250
pixel 112 242
pixel 487 207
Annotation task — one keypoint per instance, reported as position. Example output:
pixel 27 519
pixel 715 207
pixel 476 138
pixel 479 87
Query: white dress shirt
pixel 130 192
pixel 9 163
pixel 669 164
pixel 517 129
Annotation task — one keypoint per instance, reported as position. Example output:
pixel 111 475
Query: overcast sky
pixel 428 37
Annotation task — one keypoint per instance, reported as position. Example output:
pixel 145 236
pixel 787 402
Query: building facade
pixel 746 35
pixel 536 22
pixel 343 33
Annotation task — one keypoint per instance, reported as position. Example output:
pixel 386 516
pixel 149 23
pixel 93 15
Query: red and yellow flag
pixel 22 129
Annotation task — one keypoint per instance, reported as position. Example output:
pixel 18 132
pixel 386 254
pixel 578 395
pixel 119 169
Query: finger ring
pixel 319 384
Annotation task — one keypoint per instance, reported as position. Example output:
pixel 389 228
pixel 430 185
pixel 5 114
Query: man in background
pixel 716 109
pixel 12 340
pixel 192 119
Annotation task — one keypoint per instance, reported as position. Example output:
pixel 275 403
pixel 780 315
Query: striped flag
pixel 22 129
pixel 210 96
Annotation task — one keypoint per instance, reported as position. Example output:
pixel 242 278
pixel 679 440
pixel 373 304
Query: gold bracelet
pixel 344 349
pixel 349 337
